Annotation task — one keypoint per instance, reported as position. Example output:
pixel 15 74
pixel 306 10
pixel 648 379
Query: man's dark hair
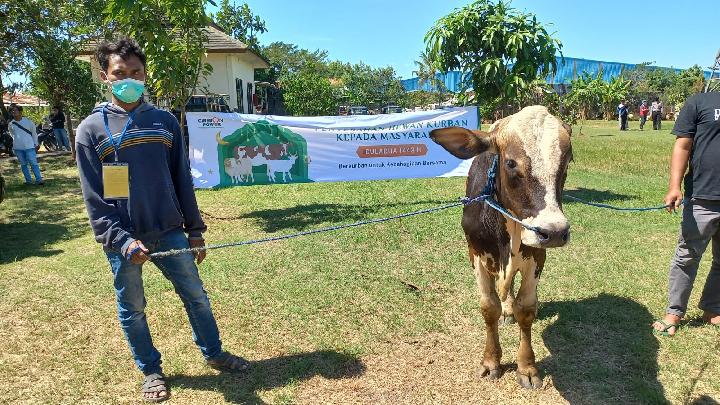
pixel 123 47
pixel 16 107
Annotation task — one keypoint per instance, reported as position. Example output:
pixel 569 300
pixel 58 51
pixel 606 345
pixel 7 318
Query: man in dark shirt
pixel 276 100
pixel 698 143
pixel 57 118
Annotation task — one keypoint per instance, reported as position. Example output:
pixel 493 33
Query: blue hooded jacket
pixel 162 198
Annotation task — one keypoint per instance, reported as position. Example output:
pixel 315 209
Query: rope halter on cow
pixel 487 197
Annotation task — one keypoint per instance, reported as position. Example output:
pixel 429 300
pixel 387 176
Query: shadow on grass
pixel 34 217
pixel 592 195
pixel 302 217
pixel 602 348
pixel 704 400
pixel 274 373
pixel 22 240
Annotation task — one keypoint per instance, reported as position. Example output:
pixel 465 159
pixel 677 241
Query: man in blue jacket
pixel 136 182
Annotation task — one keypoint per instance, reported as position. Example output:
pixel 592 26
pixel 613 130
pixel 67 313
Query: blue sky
pixel 390 33
pixel 386 32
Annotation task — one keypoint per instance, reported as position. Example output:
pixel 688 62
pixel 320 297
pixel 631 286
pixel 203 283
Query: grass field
pixel 381 314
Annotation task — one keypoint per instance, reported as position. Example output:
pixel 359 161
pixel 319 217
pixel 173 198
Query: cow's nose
pixel 554 236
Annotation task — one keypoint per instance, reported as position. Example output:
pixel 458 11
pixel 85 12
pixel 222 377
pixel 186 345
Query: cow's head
pixel 534 151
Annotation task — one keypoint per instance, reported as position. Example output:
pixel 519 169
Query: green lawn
pixel 386 313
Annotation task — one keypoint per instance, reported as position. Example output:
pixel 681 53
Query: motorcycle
pixel 46 138
pixel 6 142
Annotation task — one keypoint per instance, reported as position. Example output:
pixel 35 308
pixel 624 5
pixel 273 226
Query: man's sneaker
pixel 40 183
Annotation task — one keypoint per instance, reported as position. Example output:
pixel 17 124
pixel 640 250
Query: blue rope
pixel 612 207
pixel 303 233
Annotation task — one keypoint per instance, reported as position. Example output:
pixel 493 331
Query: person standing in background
pixel 644 110
pixel 57 118
pixel 25 143
pixel 622 111
pixel 656 109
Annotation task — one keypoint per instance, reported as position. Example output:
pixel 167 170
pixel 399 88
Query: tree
pixel 172 33
pixel 685 84
pixel 59 78
pixel 13 43
pixel 308 94
pixel 427 73
pixel 502 50
pixel 287 58
pixel 52 35
pixel 240 23
pixel 610 94
pixel 357 84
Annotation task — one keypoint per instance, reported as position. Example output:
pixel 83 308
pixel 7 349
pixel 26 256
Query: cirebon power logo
pixel 214 122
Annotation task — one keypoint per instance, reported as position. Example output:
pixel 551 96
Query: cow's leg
pixel 525 310
pixel 289 176
pixel 506 277
pixel 505 285
pixel 490 306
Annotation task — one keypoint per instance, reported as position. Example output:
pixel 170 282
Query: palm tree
pixel 427 73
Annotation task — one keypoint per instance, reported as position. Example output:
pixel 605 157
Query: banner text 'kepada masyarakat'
pixel 228 149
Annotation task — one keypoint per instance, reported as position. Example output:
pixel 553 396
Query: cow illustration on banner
pixel 262 153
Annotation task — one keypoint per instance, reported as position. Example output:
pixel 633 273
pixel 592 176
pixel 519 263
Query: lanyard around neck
pixel 122 134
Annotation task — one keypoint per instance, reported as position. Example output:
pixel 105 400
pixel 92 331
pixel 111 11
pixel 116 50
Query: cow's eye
pixel 511 163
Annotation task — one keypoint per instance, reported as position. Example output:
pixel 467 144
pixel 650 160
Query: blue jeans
pixel 28 157
pixel 183 273
pixel 61 136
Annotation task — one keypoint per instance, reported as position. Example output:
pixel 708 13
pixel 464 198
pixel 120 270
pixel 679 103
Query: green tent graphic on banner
pixel 262 153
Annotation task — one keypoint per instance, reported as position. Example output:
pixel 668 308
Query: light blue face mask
pixel 128 90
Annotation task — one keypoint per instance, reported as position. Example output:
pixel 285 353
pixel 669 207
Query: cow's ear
pixel 461 142
pixel 568 128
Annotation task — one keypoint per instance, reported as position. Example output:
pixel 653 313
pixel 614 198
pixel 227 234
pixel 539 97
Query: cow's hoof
pixel 507 319
pixel 490 374
pixel 529 382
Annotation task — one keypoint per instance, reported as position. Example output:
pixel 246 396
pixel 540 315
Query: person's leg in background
pixel 24 164
pixel 62 138
pixel 31 156
pixel 710 298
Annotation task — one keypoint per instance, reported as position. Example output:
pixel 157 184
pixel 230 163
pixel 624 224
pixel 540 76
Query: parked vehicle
pixel 392 109
pixel 46 138
pixel 213 103
pixel 358 110
pixel 6 142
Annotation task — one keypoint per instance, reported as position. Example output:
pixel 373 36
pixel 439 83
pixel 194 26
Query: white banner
pixel 228 149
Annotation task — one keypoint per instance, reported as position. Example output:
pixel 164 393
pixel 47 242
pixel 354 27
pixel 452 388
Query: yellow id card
pixel 116 181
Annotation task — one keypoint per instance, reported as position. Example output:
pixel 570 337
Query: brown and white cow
pixel 534 150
